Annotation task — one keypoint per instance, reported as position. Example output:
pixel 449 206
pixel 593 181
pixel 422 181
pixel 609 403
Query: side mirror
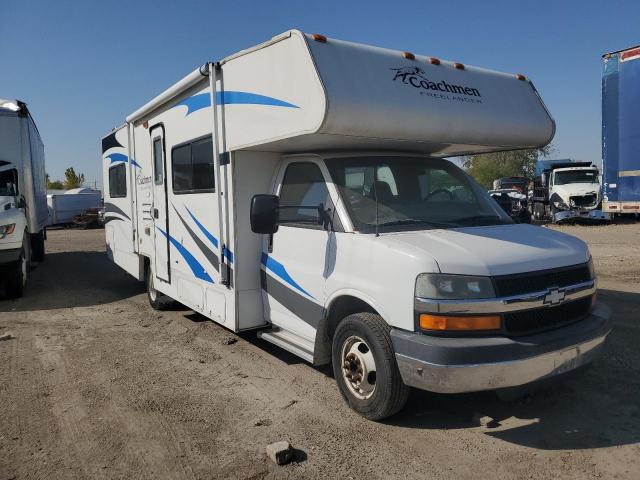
pixel 265 215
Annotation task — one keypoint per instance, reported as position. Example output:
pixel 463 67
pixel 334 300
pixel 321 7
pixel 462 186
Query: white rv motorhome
pixel 321 214
pixel 23 202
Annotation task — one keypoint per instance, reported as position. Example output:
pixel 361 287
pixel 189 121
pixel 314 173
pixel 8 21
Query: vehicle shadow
pixel 73 279
pixel 596 408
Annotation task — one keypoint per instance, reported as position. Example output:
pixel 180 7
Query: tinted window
pixel 181 167
pixel 157 161
pixel 193 168
pixel 303 185
pixel 118 181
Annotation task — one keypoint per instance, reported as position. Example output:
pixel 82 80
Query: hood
pixel 576 190
pixel 493 250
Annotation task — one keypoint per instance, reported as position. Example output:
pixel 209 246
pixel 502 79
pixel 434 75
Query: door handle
pixel 155 213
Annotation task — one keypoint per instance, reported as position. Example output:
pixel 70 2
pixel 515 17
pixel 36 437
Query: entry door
pixel 159 210
pixel 294 272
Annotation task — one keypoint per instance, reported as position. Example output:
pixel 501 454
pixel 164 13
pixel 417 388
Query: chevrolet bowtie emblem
pixel 554 297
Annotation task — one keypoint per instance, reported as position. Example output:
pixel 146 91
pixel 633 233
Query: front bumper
pixel 595 215
pixel 470 364
pixel 9 255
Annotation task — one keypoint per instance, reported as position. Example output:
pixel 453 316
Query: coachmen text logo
pixel 415 77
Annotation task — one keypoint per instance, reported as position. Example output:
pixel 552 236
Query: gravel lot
pixel 98 385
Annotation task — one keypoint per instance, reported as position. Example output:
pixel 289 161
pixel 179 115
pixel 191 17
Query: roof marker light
pixel 434 61
pixel 459 66
pixel 408 55
pixel 319 38
pixel 145 125
pixel 519 76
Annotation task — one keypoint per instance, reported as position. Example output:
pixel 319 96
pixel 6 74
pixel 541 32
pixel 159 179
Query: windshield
pixel 8 183
pixel 575 176
pixel 412 194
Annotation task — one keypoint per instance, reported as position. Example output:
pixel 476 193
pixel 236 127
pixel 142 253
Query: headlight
pixel 592 271
pixel 7 230
pixel 562 205
pixel 440 286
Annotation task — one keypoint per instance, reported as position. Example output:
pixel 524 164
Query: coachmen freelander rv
pixel 23 201
pixel 321 214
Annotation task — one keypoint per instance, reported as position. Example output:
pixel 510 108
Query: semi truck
pixel 299 188
pixel 565 189
pixel 621 131
pixel 23 201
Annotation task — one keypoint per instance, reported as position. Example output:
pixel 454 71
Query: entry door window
pixel 158 176
pixel 303 185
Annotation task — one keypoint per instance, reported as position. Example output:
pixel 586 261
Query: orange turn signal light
pixel 447 323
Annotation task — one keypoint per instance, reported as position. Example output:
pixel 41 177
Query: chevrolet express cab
pixel 300 189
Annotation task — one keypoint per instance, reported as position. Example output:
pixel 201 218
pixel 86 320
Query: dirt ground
pixel 98 385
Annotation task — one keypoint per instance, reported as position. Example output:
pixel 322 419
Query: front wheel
pixel 365 367
pixel 16 278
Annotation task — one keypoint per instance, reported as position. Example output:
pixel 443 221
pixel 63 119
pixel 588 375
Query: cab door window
pixel 303 185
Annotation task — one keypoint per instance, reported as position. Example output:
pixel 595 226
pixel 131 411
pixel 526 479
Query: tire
pixel 16 278
pixel 359 340
pixel 157 300
pixel 37 246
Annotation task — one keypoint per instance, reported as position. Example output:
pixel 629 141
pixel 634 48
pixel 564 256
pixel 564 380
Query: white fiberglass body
pixel 355 134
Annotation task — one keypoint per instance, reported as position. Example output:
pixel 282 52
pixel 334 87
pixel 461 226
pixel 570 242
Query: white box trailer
pixel 23 203
pixel 320 214
pixel 63 207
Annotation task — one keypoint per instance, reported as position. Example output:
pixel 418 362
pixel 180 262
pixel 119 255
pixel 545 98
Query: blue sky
pixel 82 66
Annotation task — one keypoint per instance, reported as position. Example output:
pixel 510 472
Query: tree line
pixel 71 180
pixel 487 167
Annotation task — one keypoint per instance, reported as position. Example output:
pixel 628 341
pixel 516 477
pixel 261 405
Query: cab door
pixel 159 208
pixel 294 271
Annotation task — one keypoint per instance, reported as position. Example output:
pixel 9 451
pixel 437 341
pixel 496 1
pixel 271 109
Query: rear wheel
pixel 365 368
pixel 157 300
pixel 37 246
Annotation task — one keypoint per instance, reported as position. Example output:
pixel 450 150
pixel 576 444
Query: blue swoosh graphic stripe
pixel 195 266
pixel 277 268
pixel 214 241
pixel 203 100
pixel 119 157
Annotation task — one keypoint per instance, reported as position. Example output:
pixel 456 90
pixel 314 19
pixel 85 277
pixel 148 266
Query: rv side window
pixel 118 181
pixel 157 161
pixel 303 185
pixel 192 167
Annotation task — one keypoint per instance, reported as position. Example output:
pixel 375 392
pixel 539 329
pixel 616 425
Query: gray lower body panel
pixel 456 365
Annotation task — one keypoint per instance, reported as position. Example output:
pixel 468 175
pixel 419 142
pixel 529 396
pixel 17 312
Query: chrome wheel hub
pixel 358 367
